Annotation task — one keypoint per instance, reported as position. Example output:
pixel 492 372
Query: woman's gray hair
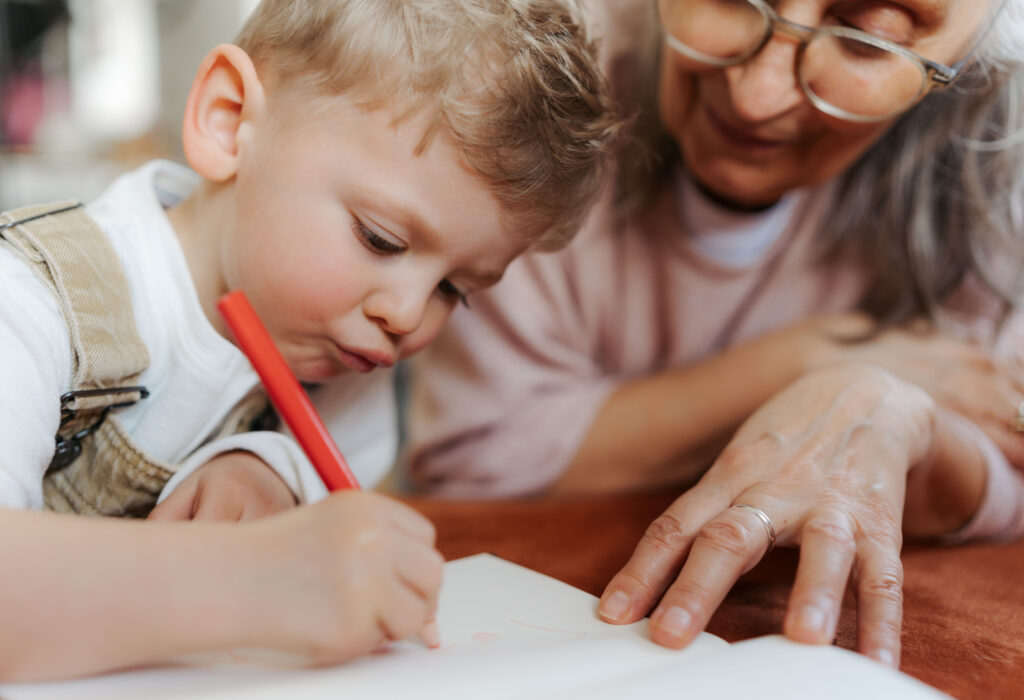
pixel 938 200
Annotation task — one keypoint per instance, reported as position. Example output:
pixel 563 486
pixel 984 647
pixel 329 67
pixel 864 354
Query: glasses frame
pixel 933 74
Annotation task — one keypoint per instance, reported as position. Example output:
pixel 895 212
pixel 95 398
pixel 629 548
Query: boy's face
pixel 353 248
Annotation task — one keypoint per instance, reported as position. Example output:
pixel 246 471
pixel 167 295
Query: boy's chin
pixel 320 372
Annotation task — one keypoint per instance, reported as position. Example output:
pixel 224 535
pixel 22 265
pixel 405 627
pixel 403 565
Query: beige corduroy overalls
pixel 97 468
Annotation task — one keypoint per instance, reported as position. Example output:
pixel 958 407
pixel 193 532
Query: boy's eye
pixel 450 291
pixel 374 241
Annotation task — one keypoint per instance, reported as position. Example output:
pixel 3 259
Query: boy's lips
pixel 363 360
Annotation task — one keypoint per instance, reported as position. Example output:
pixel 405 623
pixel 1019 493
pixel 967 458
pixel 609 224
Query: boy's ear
pixel 226 94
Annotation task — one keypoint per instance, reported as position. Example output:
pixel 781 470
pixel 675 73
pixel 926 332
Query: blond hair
pixel 515 83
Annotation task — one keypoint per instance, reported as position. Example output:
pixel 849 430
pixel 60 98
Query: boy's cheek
pixel 433 322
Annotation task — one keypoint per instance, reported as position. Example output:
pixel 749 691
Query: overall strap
pixel 70 254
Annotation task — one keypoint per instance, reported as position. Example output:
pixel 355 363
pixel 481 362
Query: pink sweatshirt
pixel 502 400
pixel 504 397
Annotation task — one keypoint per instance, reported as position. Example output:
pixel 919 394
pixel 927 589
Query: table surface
pixel 963 627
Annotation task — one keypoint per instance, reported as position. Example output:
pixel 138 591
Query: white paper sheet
pixel 509 632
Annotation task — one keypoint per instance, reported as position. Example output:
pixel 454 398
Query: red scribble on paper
pixel 575 633
pixel 485 637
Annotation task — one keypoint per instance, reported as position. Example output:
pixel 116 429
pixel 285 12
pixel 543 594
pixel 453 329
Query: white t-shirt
pixel 195 376
pixel 732 239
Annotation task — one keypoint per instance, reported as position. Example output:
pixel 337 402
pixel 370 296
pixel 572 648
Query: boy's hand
pixel 231 486
pixel 338 579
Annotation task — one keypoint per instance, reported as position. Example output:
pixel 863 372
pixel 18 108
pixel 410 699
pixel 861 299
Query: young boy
pixel 363 166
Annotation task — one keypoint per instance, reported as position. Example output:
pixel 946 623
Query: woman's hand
pixel 826 460
pixel 962 376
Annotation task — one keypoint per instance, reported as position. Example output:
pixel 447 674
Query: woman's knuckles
pixel 667 533
pixel 730 535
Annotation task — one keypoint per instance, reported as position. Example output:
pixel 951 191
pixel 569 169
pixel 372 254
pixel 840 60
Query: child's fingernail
pixel 615 607
pixel 675 621
pixel 430 634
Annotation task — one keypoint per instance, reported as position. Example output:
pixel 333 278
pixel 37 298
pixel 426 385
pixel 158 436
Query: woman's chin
pixel 736 186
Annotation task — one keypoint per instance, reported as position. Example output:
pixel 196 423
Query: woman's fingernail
pixel 886 657
pixel 675 621
pixel 812 619
pixel 615 607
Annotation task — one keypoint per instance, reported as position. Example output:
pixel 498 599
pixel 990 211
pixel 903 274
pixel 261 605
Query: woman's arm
pixel 667 428
pixel 529 358
pixel 525 360
pixel 947 487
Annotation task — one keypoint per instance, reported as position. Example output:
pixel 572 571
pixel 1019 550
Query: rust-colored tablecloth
pixel 963 628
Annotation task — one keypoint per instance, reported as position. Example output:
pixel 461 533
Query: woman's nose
pixel 765 86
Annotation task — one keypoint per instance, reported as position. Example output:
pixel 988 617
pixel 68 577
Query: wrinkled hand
pixel 962 376
pixel 826 460
pixel 231 486
pixel 339 578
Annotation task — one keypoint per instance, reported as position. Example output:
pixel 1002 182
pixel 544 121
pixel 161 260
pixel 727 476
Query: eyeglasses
pixel 844 72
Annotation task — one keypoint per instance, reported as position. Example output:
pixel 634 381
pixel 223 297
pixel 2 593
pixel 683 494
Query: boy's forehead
pixel 420 134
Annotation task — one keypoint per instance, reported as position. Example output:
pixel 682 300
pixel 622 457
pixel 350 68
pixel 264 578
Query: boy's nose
pixel 398 312
pixel 765 86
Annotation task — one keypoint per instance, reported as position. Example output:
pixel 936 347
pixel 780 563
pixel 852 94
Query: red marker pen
pixel 285 392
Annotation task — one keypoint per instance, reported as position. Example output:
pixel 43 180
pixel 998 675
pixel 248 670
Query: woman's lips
pixel 741 137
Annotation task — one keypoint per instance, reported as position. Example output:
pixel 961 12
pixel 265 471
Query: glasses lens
pixel 713 31
pixel 859 78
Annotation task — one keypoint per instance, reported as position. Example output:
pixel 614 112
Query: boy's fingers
pixel 178 505
pixel 400 612
pixel 216 504
pixel 413 523
pixel 431 634
pixel 420 569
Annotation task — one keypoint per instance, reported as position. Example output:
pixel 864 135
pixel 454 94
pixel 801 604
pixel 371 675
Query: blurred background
pixel 92 88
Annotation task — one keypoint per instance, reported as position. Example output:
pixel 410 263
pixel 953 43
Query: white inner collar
pixel 726 236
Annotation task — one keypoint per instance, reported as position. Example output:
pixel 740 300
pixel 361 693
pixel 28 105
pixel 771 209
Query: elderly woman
pixel 816 274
